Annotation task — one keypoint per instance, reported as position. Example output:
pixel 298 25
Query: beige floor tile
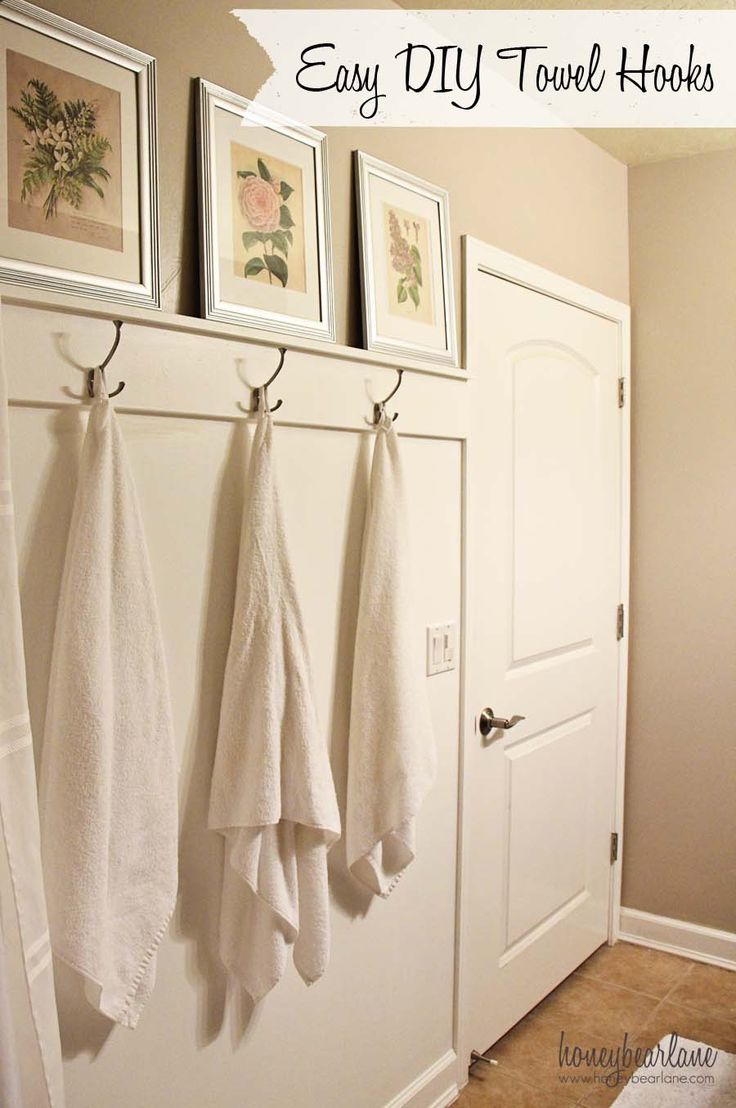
pixel 668 1018
pixel 608 1085
pixel 636 967
pixel 709 989
pixel 689 1023
pixel 530 1052
pixel 603 1095
pixel 628 989
pixel 490 1087
pixel 596 1007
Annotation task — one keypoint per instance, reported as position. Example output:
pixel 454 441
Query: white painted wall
pixel 383 1016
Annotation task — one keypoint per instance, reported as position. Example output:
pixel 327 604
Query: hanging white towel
pixel 391 759
pixel 109 778
pixel 272 792
pixel 18 801
pixel 9 1069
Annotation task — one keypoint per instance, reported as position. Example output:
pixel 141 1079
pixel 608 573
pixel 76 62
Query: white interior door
pixel 545 468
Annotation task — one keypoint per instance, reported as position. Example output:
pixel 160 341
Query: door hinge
pixel 614 847
pixel 620 622
pixel 621 391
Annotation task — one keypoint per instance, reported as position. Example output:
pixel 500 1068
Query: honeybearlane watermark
pixel 668 1062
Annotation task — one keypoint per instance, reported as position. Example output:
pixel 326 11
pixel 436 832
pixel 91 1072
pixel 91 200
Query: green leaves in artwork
pixel 278 267
pixel 416 258
pixel 286 190
pixel 254 266
pixel 245 173
pixel 64 151
pixel 280 242
pixel 263 170
pixel 285 219
pixel 414 294
pixel 401 292
pixel 271 262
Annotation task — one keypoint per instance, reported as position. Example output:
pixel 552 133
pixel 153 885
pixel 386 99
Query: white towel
pixel 9 1069
pixel 18 803
pixel 272 792
pixel 391 759
pixel 109 777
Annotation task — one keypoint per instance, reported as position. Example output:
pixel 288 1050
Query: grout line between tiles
pixel 680 980
pixel 627 988
pixel 707 1012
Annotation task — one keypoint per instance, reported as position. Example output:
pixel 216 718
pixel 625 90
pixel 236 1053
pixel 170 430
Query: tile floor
pixel 624 988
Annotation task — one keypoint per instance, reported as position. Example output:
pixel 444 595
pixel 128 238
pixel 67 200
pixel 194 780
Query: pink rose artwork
pixel 259 204
pixel 262 198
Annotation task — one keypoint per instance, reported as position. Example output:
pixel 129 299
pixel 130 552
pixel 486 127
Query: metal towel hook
pixel 118 323
pixel 272 378
pixel 379 407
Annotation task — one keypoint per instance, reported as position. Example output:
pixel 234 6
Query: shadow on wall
pixel 201 851
pixel 42 559
pixel 352 898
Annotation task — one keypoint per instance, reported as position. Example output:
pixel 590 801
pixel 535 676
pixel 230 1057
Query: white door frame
pixel 479 258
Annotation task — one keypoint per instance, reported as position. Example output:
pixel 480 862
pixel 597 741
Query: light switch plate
pixel 441 648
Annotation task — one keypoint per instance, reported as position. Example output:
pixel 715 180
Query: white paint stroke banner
pixel 496 68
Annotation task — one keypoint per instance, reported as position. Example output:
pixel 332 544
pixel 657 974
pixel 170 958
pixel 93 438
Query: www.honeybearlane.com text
pixel 457 72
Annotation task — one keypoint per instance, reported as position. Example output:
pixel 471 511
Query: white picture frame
pixel 406 263
pixel 264 218
pixel 94 234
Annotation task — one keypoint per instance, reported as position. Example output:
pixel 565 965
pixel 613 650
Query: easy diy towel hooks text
pixel 379 406
pixel 118 323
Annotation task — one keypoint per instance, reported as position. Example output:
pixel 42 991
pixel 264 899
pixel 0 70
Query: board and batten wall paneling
pixel 383 1015
pixel 550 196
pixel 680 831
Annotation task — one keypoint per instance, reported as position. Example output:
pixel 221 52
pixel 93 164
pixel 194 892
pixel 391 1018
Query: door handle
pixel 488 722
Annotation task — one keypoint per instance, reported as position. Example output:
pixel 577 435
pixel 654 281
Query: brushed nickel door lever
pixel 487 722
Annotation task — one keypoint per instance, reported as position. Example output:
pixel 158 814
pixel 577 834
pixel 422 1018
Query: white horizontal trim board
pixel 185 373
pixel 20 296
pixel 422 1092
pixel 691 940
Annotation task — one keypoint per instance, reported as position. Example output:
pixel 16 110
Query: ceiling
pixel 634 146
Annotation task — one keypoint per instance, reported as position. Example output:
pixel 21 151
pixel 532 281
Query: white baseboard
pixel 435 1088
pixel 691 940
pixel 448 1097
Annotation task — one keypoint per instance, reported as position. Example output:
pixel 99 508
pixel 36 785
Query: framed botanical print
pixel 408 298
pixel 264 218
pixel 78 160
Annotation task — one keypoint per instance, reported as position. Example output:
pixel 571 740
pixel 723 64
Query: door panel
pixel 553 499
pixel 546 870
pixel 544 475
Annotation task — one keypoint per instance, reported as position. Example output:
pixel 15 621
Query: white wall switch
pixel 441 648
pixel 449 645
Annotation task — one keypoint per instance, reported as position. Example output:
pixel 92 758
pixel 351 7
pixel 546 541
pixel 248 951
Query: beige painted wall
pixel 552 197
pixel 680 846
